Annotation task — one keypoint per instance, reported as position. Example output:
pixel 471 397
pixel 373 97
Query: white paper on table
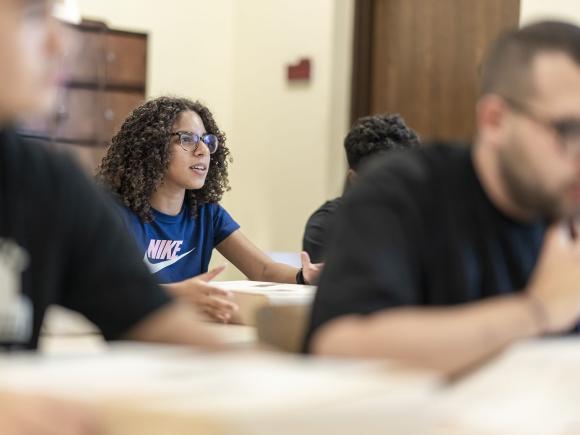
pixel 275 292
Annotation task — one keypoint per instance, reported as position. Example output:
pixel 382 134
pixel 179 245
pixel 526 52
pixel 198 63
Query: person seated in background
pixel 369 137
pixel 168 167
pixel 444 256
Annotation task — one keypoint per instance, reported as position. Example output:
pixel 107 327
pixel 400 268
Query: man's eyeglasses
pixel 567 131
pixel 190 141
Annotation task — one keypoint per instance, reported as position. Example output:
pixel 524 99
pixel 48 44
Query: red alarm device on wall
pixel 300 71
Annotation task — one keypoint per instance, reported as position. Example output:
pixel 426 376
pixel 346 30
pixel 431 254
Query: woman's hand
pixel 209 299
pixel 310 272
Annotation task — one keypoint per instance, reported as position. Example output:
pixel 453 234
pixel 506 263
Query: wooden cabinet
pixel 84 51
pixel 126 59
pixel 105 74
pixel 117 105
pixel 76 119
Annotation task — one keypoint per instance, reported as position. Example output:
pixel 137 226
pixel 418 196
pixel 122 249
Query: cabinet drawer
pixel 84 51
pixel 85 116
pixel 77 115
pixel 126 59
pixel 118 105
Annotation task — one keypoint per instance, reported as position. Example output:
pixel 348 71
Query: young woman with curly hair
pixel 168 166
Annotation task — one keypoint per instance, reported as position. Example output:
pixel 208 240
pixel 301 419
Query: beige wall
pixel 284 135
pixel 184 58
pixel 286 138
pixel 534 10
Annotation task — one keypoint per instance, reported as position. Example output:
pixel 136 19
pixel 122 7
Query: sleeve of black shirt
pixel 372 263
pixel 314 240
pixel 104 276
pixel 320 229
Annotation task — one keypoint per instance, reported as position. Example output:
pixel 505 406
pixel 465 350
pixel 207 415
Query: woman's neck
pixel 168 200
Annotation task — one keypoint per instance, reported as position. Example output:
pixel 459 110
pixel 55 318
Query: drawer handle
pixel 61 114
pixel 109 114
pixel 111 56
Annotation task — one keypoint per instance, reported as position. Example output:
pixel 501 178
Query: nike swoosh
pixel 156 267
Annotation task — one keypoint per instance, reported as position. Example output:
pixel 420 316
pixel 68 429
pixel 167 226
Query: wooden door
pixel 424 59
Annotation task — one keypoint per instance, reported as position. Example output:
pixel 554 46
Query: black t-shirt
pixel 418 229
pixel 80 256
pixel 318 230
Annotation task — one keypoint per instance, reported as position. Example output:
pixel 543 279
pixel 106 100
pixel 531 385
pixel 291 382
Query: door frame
pixel 362 61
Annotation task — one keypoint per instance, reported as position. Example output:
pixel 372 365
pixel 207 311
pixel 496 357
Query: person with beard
pixel 449 254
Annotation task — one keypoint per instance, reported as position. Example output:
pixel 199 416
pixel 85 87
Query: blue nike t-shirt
pixel 179 247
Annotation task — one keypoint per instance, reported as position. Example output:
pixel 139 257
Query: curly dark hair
pixel 139 155
pixel 378 133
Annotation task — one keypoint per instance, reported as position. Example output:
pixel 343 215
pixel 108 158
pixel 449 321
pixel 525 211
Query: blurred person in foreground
pixel 60 241
pixel 446 255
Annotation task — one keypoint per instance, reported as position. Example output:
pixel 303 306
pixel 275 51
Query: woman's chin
pixel 195 185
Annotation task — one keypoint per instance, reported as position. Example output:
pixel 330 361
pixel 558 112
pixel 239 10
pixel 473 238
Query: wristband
pixel 300 278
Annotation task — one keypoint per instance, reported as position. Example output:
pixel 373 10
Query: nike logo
pixel 156 267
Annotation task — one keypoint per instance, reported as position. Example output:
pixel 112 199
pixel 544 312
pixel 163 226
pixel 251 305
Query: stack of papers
pixel 250 296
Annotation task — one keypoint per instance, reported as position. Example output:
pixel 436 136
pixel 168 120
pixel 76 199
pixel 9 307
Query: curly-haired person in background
pixel 168 166
pixel 368 138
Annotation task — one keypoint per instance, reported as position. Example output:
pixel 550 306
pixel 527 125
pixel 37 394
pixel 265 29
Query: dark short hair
pixel 507 69
pixel 375 134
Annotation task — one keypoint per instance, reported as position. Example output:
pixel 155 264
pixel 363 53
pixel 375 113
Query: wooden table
pixel 533 388
pixel 156 390
pixel 239 336
pixel 65 332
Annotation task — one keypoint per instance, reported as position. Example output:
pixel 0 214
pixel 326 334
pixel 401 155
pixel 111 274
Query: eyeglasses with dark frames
pixel 189 141
pixel 567 131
